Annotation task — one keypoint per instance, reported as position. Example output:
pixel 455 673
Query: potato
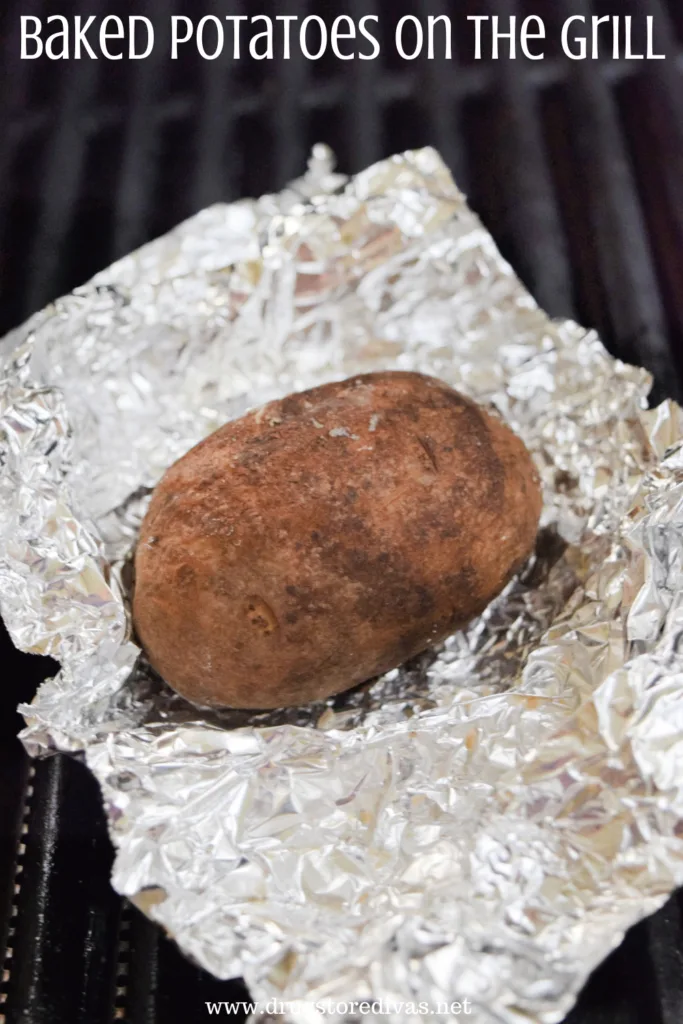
pixel 327 537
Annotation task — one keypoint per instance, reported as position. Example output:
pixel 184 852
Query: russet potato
pixel 327 537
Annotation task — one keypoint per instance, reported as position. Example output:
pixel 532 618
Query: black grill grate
pixel 575 167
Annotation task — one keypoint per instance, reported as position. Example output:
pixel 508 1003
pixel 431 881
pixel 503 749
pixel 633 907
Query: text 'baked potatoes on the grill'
pixel 327 537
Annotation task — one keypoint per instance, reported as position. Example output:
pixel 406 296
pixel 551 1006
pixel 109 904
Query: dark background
pixel 576 168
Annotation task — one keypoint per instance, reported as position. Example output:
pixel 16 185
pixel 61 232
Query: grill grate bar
pixel 438 101
pixel 14 90
pixel 635 308
pixel 134 198
pixel 63 943
pixel 637 318
pixel 652 112
pixel 63 167
pixel 388 87
pixel 289 150
pixel 531 214
pixel 162 986
pixel 14 94
pixel 25 980
pixel 363 100
pixel 664 934
pixel 15 796
pixel 214 177
pixel 143 970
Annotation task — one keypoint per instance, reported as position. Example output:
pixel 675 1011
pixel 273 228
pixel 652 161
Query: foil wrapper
pixel 482 823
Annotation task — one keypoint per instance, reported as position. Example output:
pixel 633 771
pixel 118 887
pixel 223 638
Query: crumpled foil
pixel 483 823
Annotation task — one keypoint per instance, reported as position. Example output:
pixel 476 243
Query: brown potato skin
pixel 328 537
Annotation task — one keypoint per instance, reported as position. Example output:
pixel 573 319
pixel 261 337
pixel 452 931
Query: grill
pixel 577 169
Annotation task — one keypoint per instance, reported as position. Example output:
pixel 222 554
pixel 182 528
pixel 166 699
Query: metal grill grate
pixel 576 169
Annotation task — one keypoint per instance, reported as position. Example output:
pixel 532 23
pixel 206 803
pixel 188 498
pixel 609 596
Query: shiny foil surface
pixel 482 823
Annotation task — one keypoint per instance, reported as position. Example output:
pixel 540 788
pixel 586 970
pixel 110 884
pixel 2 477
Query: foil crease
pixel 482 823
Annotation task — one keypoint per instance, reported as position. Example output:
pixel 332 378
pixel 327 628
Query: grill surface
pixel 577 170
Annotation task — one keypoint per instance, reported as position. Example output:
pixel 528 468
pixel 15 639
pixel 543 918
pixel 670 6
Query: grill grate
pixel 576 169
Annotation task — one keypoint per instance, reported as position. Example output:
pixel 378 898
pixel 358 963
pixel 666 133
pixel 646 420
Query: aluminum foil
pixel 481 824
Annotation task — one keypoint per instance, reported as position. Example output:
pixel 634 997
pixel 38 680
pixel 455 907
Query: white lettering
pixel 176 39
pixel 528 35
pixel 651 55
pixel 510 36
pixel 149 28
pixel 629 53
pixel 418 33
pixel 80 38
pixel 478 20
pixel 267 53
pixel 323 37
pixel 368 35
pixel 236 19
pixel 432 21
pixel 63 35
pixel 220 37
pixel 106 35
pixel 597 22
pixel 581 40
pixel 287 19
pixel 337 34
pixel 35 35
